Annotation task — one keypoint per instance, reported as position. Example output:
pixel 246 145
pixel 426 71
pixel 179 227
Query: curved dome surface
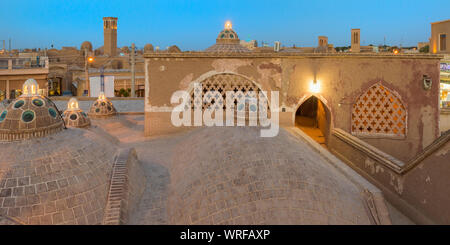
pixel 29 116
pixel 102 107
pixel 227 34
pixel 148 48
pixel 227 42
pixel 75 117
pixel 61 179
pixel 86 45
pixel 230 175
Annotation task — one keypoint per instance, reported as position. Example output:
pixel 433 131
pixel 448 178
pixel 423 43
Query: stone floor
pixel 156 154
pixel 308 126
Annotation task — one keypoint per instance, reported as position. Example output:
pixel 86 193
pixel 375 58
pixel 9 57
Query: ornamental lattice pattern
pixel 379 112
pixel 214 95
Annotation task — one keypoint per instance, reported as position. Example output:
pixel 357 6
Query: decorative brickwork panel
pixel 379 112
pixel 214 89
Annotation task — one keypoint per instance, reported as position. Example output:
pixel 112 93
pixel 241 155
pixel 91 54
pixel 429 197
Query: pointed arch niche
pixel 313 117
pixel 379 112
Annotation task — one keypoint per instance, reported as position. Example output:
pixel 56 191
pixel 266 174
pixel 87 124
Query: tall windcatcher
pixel 356 48
pixel 110 36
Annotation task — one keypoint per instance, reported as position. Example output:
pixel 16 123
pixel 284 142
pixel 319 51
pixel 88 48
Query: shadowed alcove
pixel 313 118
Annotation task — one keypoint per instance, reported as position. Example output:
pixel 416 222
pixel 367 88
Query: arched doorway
pixel 314 118
pixel 54 86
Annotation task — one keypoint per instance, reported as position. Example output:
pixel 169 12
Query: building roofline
pixel 442 21
pixel 192 54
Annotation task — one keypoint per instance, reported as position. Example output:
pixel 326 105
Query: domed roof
pixel 86 45
pixel 174 49
pixel 227 35
pixel 29 116
pixel 74 116
pixel 57 180
pixel 227 42
pixel 148 48
pixel 230 175
pixel 102 107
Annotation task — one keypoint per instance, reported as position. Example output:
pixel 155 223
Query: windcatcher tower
pixel 110 36
pixel 356 36
pixel 323 41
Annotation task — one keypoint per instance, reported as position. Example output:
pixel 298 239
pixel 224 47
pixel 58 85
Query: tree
pixel 425 49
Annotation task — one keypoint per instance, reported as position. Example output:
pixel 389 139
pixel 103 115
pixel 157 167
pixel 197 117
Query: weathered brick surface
pixel 126 188
pixel 59 179
pixel 233 176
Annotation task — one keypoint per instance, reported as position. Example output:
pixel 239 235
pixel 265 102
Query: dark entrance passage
pixel 313 118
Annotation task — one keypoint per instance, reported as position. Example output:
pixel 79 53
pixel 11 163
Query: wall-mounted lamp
pixel 314 86
pixel 427 82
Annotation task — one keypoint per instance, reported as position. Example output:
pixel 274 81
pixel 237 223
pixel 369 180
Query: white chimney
pixel 276 47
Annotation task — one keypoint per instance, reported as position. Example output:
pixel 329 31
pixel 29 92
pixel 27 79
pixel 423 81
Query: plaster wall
pixel 437 29
pixel 342 79
pixel 418 188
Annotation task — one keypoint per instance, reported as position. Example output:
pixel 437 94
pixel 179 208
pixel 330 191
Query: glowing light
pixel 395 51
pixel 228 25
pixel 72 104
pixel 314 87
pixel 102 96
pixel 91 59
pixel 30 88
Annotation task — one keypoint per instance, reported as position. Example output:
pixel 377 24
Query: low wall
pixel 418 188
pixel 126 188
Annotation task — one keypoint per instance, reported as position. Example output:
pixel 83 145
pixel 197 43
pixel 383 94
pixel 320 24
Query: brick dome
pixel 86 45
pixel 61 179
pixel 232 176
pixel 102 107
pixel 29 116
pixel 74 116
pixel 148 48
pixel 227 42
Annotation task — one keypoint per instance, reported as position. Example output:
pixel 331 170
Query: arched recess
pixel 55 87
pixel 313 116
pixel 379 112
pixel 220 83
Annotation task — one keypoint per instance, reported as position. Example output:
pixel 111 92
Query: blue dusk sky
pixel 195 24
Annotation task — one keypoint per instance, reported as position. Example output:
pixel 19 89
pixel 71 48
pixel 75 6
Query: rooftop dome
pixel 74 116
pixel 227 41
pixel 86 45
pixel 227 35
pixel 29 116
pixel 230 175
pixel 102 107
pixel 56 180
pixel 174 49
pixel 148 48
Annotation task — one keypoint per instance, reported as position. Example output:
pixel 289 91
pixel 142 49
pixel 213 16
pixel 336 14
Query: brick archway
pixel 313 116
